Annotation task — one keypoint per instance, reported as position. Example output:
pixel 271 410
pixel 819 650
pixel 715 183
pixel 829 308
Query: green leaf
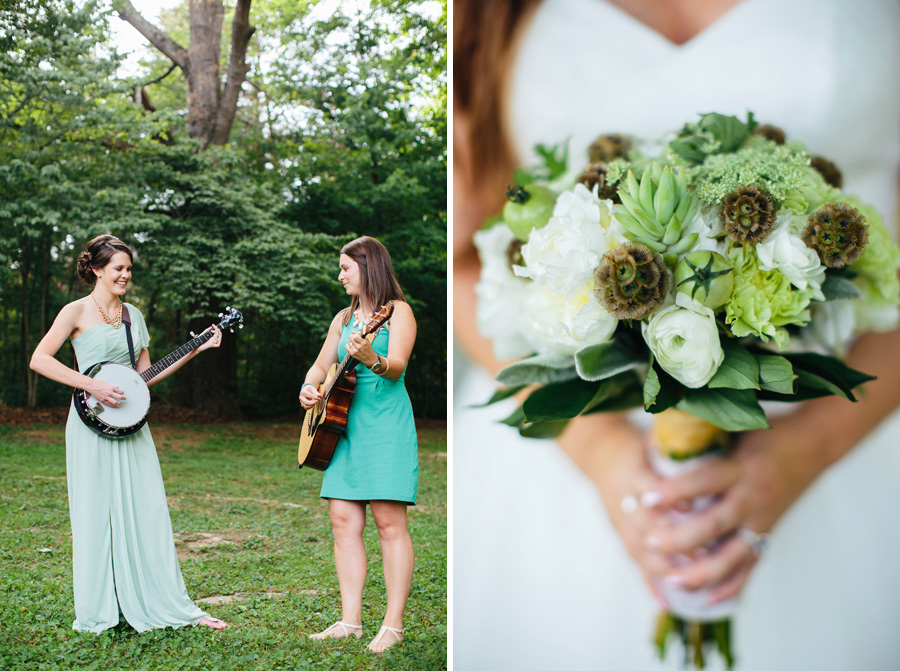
pixel 837 288
pixel 739 369
pixel 501 394
pixel 623 392
pixel 651 386
pixel 730 409
pixel 598 362
pixel 538 369
pixel 543 429
pixel 825 372
pixel 668 393
pixel 775 373
pixel 560 400
pixel 516 418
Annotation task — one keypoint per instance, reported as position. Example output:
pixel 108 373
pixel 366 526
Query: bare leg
pixel 348 519
pixel 398 559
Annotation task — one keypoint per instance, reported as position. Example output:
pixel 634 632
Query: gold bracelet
pixel 387 367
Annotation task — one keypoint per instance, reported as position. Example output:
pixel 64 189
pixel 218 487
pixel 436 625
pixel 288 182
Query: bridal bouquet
pixel 695 277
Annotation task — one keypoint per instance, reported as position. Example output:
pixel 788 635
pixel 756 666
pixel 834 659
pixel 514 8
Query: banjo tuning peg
pixel 220 314
pixel 193 335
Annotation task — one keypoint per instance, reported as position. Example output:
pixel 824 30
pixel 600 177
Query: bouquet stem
pixel 681 443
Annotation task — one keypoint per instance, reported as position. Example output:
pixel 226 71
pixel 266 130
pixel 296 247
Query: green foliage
pixel 239 482
pixel 342 132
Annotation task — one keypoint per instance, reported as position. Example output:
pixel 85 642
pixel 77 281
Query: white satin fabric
pixel 540 578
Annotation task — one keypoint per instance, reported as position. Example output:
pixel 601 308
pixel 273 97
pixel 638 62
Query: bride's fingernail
pixel 652 542
pixel 676 580
pixel 650 499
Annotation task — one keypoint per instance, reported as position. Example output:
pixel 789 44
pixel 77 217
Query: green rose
pixel 763 302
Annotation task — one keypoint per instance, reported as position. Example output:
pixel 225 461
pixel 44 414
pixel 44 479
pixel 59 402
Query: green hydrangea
pixel 877 268
pixel 776 169
pixel 763 302
pixel 811 194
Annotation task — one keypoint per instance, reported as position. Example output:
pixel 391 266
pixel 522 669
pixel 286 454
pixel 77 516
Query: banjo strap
pixel 126 319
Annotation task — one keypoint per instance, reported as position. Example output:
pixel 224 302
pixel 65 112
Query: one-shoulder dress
pixel 123 554
pixel 377 456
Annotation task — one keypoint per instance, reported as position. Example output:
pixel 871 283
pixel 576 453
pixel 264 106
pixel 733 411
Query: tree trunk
pixel 209 382
pixel 29 375
pixel 202 70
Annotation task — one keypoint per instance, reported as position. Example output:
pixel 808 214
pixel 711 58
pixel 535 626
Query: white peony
pixel 501 296
pixel 788 254
pixel 563 255
pixel 685 341
pixel 565 324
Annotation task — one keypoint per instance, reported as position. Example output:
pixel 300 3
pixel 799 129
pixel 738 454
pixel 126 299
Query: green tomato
pixel 705 276
pixel 528 207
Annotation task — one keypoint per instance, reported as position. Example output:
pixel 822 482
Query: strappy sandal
pixel 398 636
pixel 340 630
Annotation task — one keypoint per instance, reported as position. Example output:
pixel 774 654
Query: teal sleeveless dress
pixel 377 456
pixel 123 555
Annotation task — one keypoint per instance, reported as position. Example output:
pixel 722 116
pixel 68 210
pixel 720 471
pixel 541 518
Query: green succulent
pixel 655 209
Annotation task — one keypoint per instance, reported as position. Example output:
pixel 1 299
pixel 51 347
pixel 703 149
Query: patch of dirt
pixel 194 544
pixel 237 596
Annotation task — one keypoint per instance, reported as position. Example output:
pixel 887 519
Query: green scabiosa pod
pixel 655 209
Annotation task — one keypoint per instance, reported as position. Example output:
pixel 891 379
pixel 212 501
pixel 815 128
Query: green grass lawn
pixel 256 550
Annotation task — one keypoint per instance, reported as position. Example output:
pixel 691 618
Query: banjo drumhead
pixel 137 395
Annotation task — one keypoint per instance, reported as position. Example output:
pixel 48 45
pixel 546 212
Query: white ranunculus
pixel 685 341
pixel 565 324
pixel 563 255
pixel 788 254
pixel 501 296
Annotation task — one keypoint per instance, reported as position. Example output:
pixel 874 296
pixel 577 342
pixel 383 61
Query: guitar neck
pixel 173 357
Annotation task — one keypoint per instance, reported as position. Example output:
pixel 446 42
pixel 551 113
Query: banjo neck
pixel 171 358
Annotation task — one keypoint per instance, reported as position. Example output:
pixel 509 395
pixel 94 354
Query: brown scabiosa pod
pixel 828 170
pixel 607 147
pixel 838 233
pixel 631 281
pixel 748 215
pixel 773 133
pixel 595 175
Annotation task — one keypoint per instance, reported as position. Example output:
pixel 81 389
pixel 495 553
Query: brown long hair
pixel 484 34
pixel 377 281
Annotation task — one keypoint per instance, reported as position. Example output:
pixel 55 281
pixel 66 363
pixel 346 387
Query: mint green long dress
pixel 123 554
pixel 377 456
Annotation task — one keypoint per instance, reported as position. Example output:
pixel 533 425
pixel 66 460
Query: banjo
pixel 131 414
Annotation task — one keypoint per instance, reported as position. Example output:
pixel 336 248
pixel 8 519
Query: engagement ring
pixel 629 504
pixel 758 542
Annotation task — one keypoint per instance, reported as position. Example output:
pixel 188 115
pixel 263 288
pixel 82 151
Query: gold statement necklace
pixel 116 321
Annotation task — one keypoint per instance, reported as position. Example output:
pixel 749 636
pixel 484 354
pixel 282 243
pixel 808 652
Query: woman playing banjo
pixel 123 554
pixel 376 458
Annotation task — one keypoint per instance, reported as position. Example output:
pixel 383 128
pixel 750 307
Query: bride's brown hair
pixel 484 34
pixel 97 254
pixel 377 282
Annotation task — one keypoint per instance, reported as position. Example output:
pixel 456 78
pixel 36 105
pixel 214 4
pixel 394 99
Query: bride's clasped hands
pixel 714 548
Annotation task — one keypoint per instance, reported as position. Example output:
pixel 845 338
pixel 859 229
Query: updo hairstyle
pixel 97 254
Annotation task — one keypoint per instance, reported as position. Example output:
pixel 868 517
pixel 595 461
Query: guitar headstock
pixel 231 318
pixel 379 318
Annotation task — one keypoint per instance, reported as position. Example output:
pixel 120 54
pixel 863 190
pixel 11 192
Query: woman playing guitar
pixel 123 556
pixel 376 458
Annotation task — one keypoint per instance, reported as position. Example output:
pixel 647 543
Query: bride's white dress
pixel 540 578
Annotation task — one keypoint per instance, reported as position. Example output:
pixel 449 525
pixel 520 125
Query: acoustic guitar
pixel 327 419
pixel 128 417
